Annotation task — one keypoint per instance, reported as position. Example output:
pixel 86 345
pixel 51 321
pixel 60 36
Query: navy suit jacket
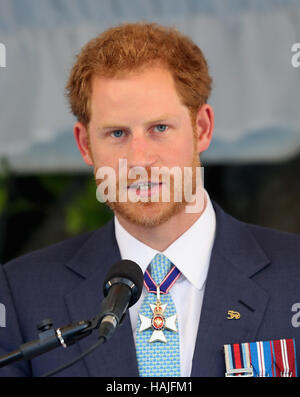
pixel 253 270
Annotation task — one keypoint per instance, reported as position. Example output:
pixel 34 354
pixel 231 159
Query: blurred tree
pixel 39 210
pixel 85 212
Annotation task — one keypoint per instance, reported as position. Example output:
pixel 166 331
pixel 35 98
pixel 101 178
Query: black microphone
pixel 122 288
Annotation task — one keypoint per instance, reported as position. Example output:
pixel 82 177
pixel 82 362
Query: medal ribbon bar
pixel 275 358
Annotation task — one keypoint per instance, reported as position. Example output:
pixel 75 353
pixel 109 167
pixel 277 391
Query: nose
pixel 141 152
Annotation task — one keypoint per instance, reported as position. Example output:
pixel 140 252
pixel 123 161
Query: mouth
pixel 145 188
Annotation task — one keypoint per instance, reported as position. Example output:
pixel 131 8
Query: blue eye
pixel 117 133
pixel 161 127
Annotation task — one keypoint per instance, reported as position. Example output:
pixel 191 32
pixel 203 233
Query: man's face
pixel 139 117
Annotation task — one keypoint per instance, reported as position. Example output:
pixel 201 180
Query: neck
pixel 161 236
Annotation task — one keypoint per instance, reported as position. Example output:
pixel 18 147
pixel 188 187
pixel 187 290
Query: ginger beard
pixel 151 214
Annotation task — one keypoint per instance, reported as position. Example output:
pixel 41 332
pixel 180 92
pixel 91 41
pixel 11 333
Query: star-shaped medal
pixel 158 322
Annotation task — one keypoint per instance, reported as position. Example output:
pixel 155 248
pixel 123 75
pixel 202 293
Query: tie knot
pixel 160 266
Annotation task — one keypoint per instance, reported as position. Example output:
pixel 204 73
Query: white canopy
pixel 248 45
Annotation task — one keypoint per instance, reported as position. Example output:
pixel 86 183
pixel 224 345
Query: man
pixel 139 92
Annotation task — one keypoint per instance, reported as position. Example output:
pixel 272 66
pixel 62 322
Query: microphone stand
pixel 50 338
pixel 112 313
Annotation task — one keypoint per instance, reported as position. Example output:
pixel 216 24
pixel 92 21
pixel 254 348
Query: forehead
pixel 152 89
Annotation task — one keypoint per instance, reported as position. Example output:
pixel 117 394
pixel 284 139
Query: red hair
pixel 130 47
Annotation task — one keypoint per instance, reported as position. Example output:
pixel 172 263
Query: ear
pixel 204 127
pixel 82 139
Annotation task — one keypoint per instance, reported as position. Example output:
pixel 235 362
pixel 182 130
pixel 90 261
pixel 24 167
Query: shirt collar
pixel 190 253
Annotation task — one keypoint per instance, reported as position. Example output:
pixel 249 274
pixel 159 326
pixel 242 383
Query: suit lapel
pixel 236 258
pixel 92 263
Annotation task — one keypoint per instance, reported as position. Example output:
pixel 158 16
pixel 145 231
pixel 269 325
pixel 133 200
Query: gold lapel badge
pixel 233 315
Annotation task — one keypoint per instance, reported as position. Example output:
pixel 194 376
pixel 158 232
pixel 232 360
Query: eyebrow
pixel 161 119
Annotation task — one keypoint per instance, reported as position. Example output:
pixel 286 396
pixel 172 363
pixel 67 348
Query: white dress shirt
pixel 190 253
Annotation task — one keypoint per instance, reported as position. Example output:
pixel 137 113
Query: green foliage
pixel 85 212
pixel 19 205
pixel 3 188
pixel 50 208
pixel 54 184
pixel 3 198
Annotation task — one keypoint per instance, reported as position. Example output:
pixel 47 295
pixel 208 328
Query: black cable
pixel 88 351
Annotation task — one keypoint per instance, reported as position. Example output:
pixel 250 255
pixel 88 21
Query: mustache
pixel 148 175
pixel 124 176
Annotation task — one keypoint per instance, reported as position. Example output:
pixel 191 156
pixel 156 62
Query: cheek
pixel 100 155
pixel 102 160
pixel 182 154
pixel 108 162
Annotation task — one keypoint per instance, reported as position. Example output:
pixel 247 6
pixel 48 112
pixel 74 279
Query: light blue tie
pixel 158 358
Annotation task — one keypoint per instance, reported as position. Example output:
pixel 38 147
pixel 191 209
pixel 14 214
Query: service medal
pixel 158 322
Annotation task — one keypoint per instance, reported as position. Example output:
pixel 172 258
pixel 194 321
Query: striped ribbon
pixel 166 283
pixel 275 358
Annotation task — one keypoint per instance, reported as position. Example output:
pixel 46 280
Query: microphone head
pixel 125 272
